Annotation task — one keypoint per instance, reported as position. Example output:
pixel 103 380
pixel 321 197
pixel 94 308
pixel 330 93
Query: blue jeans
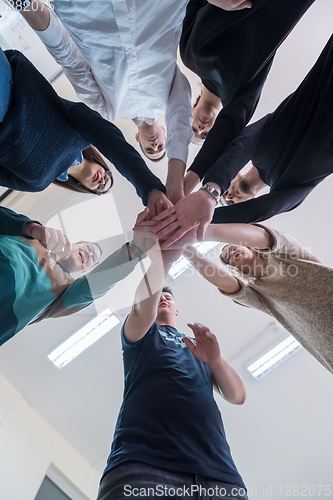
pixel 138 480
pixel 5 88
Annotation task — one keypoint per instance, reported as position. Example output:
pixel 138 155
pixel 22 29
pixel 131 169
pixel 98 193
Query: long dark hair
pixel 72 184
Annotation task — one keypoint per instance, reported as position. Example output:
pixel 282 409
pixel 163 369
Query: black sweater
pixel 292 148
pixel 232 52
pixel 42 134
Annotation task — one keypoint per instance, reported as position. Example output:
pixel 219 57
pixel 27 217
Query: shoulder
pixel 127 344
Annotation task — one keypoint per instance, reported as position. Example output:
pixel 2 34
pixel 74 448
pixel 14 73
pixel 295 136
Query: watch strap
pixel 136 251
pixel 212 191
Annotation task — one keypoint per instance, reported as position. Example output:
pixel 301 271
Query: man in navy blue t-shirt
pixel 169 438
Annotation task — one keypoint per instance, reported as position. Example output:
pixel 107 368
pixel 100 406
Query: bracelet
pixel 136 251
pixel 212 191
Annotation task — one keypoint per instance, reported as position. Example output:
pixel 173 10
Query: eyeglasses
pixel 226 258
pixel 101 187
pixel 90 252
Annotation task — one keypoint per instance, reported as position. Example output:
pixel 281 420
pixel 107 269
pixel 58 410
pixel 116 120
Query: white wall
pixel 28 446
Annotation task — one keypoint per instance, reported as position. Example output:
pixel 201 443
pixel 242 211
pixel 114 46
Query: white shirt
pixel 126 63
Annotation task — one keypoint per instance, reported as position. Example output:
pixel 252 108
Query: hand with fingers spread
pixel 52 239
pixel 206 347
pixel 195 210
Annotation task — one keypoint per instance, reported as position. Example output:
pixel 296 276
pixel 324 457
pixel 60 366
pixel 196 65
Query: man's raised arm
pixel 144 309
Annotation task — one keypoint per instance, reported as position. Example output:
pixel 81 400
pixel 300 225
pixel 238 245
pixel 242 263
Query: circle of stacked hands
pixel 121 59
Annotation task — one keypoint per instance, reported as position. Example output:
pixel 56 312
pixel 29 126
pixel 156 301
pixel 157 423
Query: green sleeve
pixel 11 223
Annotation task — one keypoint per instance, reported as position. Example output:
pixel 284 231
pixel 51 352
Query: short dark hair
pixel 152 159
pixel 197 100
pixel 72 184
pixel 167 289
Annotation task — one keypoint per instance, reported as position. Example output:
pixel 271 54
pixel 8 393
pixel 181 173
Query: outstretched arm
pixel 216 275
pixel 206 348
pixel 64 50
pixel 175 180
pixel 83 291
pixel 148 293
pixel 178 120
pixel 240 234
pixel 263 207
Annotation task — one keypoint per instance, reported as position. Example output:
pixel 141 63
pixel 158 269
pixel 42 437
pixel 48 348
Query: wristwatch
pixel 136 251
pixel 212 191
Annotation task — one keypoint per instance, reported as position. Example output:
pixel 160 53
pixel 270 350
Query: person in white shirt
pixel 121 59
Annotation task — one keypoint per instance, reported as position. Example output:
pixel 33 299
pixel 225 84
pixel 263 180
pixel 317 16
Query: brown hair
pixel 72 184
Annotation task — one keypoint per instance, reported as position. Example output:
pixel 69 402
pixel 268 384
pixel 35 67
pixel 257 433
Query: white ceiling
pixel 282 434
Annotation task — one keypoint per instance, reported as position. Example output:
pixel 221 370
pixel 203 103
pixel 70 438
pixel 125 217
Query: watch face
pixel 212 191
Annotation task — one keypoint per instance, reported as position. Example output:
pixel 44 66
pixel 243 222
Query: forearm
pixel 83 291
pixel 191 180
pixel 239 234
pixel 228 382
pixel 147 295
pixel 64 50
pixel 175 180
pixel 113 269
pixel 228 147
pixel 216 275
pixel 178 118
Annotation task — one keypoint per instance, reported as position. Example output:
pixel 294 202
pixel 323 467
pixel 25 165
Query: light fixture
pixel 85 337
pixel 274 357
pixel 182 263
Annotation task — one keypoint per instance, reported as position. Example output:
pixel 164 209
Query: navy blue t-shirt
pixel 169 418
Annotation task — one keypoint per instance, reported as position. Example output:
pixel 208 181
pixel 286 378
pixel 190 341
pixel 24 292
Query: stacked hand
pixel 145 239
pixel 195 211
pixel 52 239
pixel 157 202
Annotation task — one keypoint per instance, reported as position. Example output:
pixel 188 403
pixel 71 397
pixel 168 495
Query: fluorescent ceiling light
pixel 85 337
pixel 182 264
pixel 274 357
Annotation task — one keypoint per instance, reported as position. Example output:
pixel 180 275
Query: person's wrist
pixel 216 364
pixel 204 195
pixel 136 252
pixel 153 195
pixel 28 228
pixel 212 190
